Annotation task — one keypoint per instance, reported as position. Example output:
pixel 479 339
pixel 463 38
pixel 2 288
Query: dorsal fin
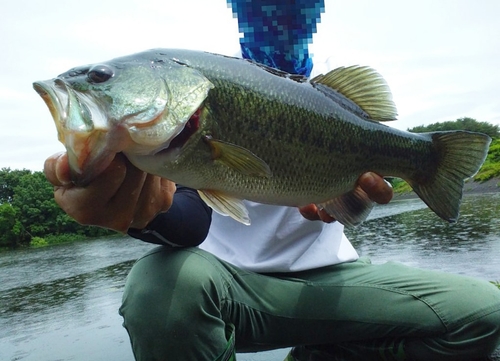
pixel 365 87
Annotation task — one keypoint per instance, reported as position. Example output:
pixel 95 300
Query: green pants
pixel 178 304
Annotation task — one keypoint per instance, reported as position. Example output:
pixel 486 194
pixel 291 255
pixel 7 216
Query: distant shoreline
pixel 471 187
pixel 489 186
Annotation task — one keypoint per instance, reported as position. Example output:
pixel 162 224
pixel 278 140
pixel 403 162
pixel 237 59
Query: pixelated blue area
pixel 278 34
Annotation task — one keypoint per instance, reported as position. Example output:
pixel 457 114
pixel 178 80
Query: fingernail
pixel 369 179
pixel 61 172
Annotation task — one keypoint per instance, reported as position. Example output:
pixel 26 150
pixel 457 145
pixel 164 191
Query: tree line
pixel 465 123
pixel 491 166
pixel 29 214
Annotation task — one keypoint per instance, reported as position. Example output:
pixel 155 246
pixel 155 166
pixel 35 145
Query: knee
pixel 171 299
pixel 477 334
pixel 165 275
pixel 167 284
pixel 485 332
pixel 482 329
pixel 478 338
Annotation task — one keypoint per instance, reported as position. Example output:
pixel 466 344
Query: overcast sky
pixel 440 58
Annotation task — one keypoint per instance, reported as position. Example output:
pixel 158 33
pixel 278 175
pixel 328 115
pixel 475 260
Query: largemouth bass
pixel 238 130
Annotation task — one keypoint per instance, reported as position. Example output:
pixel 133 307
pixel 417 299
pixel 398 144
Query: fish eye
pixel 100 74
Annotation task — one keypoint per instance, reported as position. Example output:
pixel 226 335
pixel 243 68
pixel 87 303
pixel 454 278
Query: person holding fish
pixel 216 286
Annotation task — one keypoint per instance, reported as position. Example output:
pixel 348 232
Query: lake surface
pixel 60 303
pixel 419 238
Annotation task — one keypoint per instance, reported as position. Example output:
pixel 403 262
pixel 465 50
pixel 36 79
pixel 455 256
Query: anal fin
pixel 351 208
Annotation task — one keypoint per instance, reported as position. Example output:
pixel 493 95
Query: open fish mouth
pixel 71 111
pixel 75 118
pixel 85 131
pixel 54 97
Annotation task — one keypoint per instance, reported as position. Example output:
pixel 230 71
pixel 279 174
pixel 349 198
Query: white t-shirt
pixel 278 240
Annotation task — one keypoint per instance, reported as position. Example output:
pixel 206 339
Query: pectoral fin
pixel 226 205
pixel 351 208
pixel 238 158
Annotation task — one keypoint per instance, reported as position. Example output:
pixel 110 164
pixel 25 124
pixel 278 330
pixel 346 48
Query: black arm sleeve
pixel 185 224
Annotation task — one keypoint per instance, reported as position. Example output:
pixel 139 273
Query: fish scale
pixel 260 134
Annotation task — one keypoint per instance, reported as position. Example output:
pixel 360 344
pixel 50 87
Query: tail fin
pixel 461 154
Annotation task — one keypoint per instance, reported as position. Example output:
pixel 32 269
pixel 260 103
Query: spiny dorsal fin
pixel 365 87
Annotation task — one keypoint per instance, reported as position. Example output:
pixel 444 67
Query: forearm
pixel 185 224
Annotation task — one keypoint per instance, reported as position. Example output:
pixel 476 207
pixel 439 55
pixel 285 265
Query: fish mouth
pixel 76 118
pixel 54 100
pixel 91 141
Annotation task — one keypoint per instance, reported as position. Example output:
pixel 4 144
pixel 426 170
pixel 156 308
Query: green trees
pixel 491 166
pixel 28 211
pixel 8 226
pixel 9 179
pixel 460 124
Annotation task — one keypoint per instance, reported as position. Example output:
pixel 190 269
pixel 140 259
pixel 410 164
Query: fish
pixel 237 130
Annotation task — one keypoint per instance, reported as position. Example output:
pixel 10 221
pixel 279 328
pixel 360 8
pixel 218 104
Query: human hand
pixel 119 198
pixel 377 189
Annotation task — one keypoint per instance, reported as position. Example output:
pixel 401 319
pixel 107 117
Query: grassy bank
pixel 471 186
pixel 403 189
pixel 52 240
pixel 485 181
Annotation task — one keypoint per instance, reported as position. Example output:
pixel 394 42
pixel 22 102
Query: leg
pixel 410 314
pixel 178 303
pixel 172 307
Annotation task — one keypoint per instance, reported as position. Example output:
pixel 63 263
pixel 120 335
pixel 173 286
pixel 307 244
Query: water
pixel 418 238
pixel 60 303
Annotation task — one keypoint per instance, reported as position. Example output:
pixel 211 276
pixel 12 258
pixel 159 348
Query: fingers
pixel 56 169
pixel 119 190
pixel 156 197
pixel 376 187
pixel 120 197
pixel 313 213
pixel 309 212
pixel 91 205
pixel 325 217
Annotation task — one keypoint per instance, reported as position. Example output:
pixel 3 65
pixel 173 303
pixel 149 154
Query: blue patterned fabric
pixel 277 33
